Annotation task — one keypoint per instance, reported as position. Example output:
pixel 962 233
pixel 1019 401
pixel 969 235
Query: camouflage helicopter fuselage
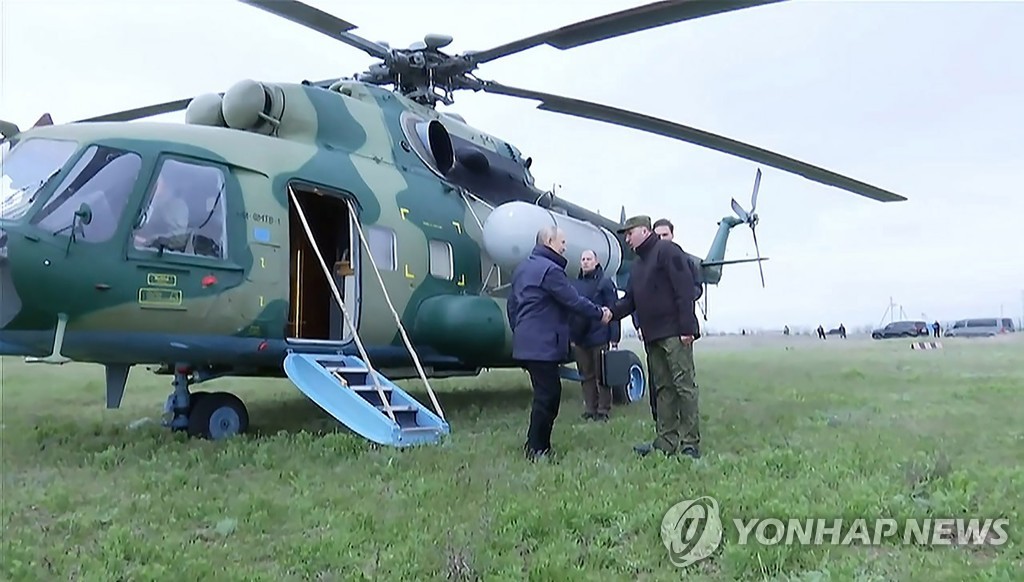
pixel 407 170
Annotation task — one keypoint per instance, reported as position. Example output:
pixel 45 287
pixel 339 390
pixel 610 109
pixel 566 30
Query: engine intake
pixel 434 135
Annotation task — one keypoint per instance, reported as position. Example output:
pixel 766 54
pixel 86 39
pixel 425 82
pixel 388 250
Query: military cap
pixel 634 222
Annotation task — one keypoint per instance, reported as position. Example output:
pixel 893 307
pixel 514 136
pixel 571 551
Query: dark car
pixel 901 329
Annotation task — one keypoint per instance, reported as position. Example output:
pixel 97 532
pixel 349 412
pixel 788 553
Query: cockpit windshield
pixel 24 170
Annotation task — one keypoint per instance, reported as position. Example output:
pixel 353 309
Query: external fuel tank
pixel 510 233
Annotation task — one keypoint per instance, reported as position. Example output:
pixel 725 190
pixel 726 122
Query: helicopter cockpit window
pixel 103 178
pixel 24 170
pixel 185 211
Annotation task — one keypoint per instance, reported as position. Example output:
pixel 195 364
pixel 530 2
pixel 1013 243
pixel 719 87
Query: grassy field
pixel 791 428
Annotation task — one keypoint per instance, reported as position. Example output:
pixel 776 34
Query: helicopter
pixel 343 233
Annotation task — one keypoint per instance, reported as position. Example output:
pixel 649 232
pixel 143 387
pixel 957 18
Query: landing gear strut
pixel 209 415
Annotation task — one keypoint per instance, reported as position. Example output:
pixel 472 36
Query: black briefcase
pixel 621 371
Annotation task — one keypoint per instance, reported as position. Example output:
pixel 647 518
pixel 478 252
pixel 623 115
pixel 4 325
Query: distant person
pixel 785 330
pixel 842 331
pixel 936 328
pixel 538 307
pixel 591 338
pixel 661 292
pixel 821 332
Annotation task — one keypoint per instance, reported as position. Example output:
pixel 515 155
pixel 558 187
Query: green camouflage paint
pixel 352 139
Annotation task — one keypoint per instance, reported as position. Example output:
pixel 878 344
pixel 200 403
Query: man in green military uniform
pixel 661 293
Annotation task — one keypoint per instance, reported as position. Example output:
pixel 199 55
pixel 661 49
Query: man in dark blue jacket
pixel 591 338
pixel 538 307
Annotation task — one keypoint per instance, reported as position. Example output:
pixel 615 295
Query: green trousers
pixel 673 380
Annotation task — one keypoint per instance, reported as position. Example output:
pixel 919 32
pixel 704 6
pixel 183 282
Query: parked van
pixel 981 327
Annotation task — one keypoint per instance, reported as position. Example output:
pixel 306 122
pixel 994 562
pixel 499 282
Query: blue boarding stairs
pixel 343 386
pixel 349 389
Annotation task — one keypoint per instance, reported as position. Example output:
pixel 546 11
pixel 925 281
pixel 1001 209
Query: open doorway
pixel 313 312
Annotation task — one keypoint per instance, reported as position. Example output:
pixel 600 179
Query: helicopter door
pixel 313 312
pixel 180 244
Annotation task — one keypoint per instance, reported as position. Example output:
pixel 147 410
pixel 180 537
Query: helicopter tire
pixel 195 397
pixel 217 415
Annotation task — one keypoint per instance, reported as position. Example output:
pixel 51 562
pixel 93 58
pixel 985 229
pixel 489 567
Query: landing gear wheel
pixel 218 415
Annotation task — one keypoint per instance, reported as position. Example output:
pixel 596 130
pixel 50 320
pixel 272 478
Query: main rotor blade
pixel 167 107
pixel 598 112
pixel 319 21
pixel 617 24
pixel 140 112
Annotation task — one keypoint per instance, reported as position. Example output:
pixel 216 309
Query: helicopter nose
pixel 10 302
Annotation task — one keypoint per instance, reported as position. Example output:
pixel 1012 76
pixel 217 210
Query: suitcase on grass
pixel 622 371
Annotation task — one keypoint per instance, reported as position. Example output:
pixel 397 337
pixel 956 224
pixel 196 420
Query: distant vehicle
pixel 901 329
pixel 981 327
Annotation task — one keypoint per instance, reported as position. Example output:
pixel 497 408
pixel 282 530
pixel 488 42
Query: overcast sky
pixel 921 98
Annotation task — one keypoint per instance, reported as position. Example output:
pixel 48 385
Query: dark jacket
pixel 698 290
pixel 539 305
pixel 586 331
pixel 661 292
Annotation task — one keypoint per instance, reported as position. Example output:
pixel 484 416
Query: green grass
pixel 795 428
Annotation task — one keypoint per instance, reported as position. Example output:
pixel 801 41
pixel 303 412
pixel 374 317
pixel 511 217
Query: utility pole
pixel 890 311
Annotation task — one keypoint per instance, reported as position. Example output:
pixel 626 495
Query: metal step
pixel 342 386
pixel 347 369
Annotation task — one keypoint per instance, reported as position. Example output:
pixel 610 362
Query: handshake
pixel 606 315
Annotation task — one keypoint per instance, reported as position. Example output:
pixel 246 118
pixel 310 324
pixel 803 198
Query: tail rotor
pixel 751 219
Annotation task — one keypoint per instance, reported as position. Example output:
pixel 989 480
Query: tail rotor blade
pixel 742 214
pixel 753 197
pixel 757 250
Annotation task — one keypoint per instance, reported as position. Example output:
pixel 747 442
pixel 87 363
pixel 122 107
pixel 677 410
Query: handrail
pixel 341 304
pixel 391 306
pixel 494 266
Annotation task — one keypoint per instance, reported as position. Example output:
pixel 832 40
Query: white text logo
pixel 691 530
